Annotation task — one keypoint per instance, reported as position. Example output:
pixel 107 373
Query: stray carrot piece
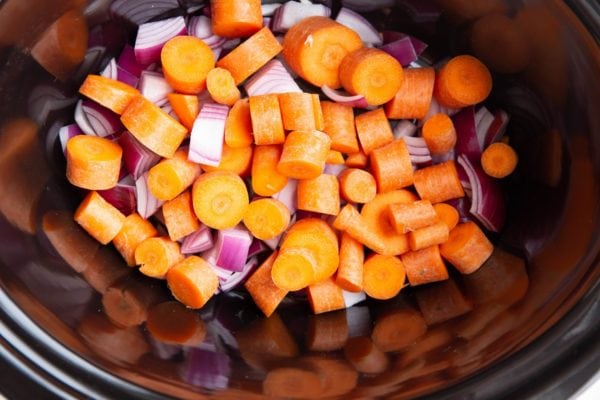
pixel 335 157
pixel 220 199
pixel 327 332
pixel 234 159
pixel 463 81
pixel 383 276
pixel 171 177
pixel 357 160
pixel 413 99
pixel 318 111
pixel 467 248
pixel 351 222
pixel 298 111
pixel 267 126
pixel 438 183
pixel 173 323
pixel 373 129
pixel 238 126
pixel 365 356
pixel 304 154
pixel 186 62
pixel 192 281
pixel 428 236
pixel 325 296
pixel 439 134
pixel 221 86
pixel 186 107
pixel 424 266
pixel 398 328
pixel 294 269
pixel 99 218
pixel 315 47
pixel 179 216
pixel 320 194
pixel 93 163
pixel 153 127
pixel 373 73
pixel 110 93
pixel 251 55
pixel 441 302
pixel 350 271
pixel 134 231
pixel 232 19
pixel 156 255
pixel 447 213
pixel 266 218
pixel 264 292
pixel 499 160
pixel 338 121
pixel 357 185
pixel 406 217
pixel 292 382
pixel 266 179
pixel 391 166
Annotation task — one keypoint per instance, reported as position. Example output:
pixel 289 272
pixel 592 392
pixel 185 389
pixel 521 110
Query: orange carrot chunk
pixel 264 292
pixel 467 248
pixel 294 269
pixel 438 183
pixel 171 177
pixel 99 218
pixel 179 216
pixel 499 160
pixel 298 111
pixel 134 231
pixel 383 276
pixel 413 99
pixel 406 217
pixel 232 19
pixel 357 160
pixel 266 218
pixel 447 213
pixel 428 236
pixel 373 129
pixel 335 157
pixel 318 111
pixel 365 356
pixel 192 281
pixel 238 126
pixel 338 120
pixel 424 266
pixel 112 94
pixel 462 82
pixel 93 162
pixel 267 125
pixel 304 154
pixel 186 107
pixel 320 194
pixel 156 255
pixel 391 166
pixel 221 86
pixel 325 296
pixel 439 134
pixel 357 185
pixel 350 271
pixel 351 222
pixel 186 62
pixel 266 178
pixel 234 159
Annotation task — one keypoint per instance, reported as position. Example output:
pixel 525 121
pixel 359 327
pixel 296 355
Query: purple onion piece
pixel 292 12
pixel 498 128
pixel 128 61
pixel 103 121
pixel 273 243
pixel 140 11
pixel 110 71
pixel 237 278
pixel 67 132
pixel 334 169
pixel 441 158
pixel 357 100
pixel 360 25
pixel 402 50
pixel 147 204
pixel 270 79
pixel 122 196
pixel 206 369
pixel 45 99
pixel 404 128
pixel 152 36
pixel 154 87
pixel 201 27
pixel 127 77
pixel 269 9
pixel 288 195
pixel 257 247
pixel 462 205
pixel 137 158
pixel 197 242
pixel 206 141
pixel 81 119
pixel 467 143
pixel 353 298
pixel 232 248
pixel 483 121
pixel 420 160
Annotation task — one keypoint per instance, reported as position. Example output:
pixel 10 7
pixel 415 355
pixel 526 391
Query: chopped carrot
pixel 424 266
pixel 153 127
pixel 171 177
pixel 357 185
pixel 267 126
pixel 251 55
pixel 186 62
pixel 373 130
pixel 351 222
pixel 327 332
pixel 318 111
pixel 99 218
pixel 428 236
pixel 391 166
pixel 438 183
pixel 294 269
pixel 398 328
pixel 238 126
pixel 320 194
pixel 298 111
pixel 93 163
pixel 292 383
pixel 334 157
pixel 134 231
pixel 234 159
pixel 266 218
pixel 338 121
pixel 264 292
pixel 192 281
pixel 179 216
pixel 221 86
pixel 499 160
pixel 232 19
pixel 439 134
pixel 325 296
pixel 357 160
pixel 220 199
pixel 406 217
pixel 173 323
pixel 462 81
pixel 350 271
pixel 304 154
pixel 372 73
pixel 266 179
pixel 315 47
pixel 413 99
pixel 186 107
pixel 365 356
pixel 383 276
pixel 447 213
pixel 441 302
pixel 112 94
pixel 156 255
pixel 467 248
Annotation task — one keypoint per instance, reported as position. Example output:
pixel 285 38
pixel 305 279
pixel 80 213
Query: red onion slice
pixel 110 71
pixel 67 132
pixel 238 278
pixel 269 9
pixel 147 204
pixel 140 11
pixel 206 141
pixel 103 121
pixel 402 50
pixel 483 121
pixel 128 61
pixel 257 247
pixel 207 369
pixel 357 101
pixel 231 248
pixel 435 108
pixel 201 27
pixel 360 25
pixel 353 298
pixel 122 196
pixel 420 159
pixel 404 128
pixel 137 158
pixel 154 87
pixel 467 142
pixel 497 128
pixel 274 242
pixel 127 77
pixel 334 169
pixel 197 242
pixel 270 79
pixel 81 119
pixel 152 36
pixel 292 12
pixel 45 99
pixel 288 195
pixel 391 36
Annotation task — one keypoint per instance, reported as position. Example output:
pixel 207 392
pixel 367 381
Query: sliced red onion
pixel 206 369
pixel 440 158
pixel 435 108
pixel 293 12
pixel 274 242
pixel 128 61
pixel 353 298
pixel 127 77
pixel 122 196
pixel 266 21
pixel 238 278
pixel 288 195
pixel 81 119
pixel 462 205
pixel 334 169
pixel 272 78
pixel 45 99
pixel 154 87
pixel 147 204
pixel 415 141
pixel 483 121
pixel 206 141
pixel 467 142
pixel 269 9
pixel 232 248
pixel 152 36
pixel 110 71
pixel 90 64
pixel 498 127
pixel 359 321
pixel 67 132
pixel 257 247
pixel 103 121
pixel 231 44
pixel 137 158
pixel 360 25
pixel 464 179
pixel 420 160
pixel 367 5
pixel 201 27
pixel 140 11
pixel 357 101
pixel 404 128
pixel 391 36
pixel 197 242
pixel 402 50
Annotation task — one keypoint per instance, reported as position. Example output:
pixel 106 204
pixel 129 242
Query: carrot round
pixel 264 292
pixel 319 119
pixel 351 222
pixel 383 276
pixel 266 218
pixel 304 154
pixel 172 322
pixel 325 296
pixel 338 120
pixel 315 47
pixel 170 177
pixel 298 111
pixel 413 99
pixel 267 126
pixel 186 107
pixel 134 231
pixel 156 255
pixel 447 213
pixel 357 160
pixel 294 269
pixel 350 271
pixel 391 166
pixel 428 236
pixel 462 82
pixel 373 129
pixel 439 134
pixel 238 126
pixel 372 73
pixel 110 93
pixel 467 248
pixel 424 266
pixel 99 218
pixel 192 281
pixel 365 356
pixel 93 163
pixel 357 185
pixel 266 178
pixel 221 86
pixel 220 199
pixel 186 62
pixel 320 194
pixel 406 217
pixel 438 183
pixel 232 19
pixel 179 216
pixel 398 328
pixel 335 157
pixel 234 159
pixel 499 160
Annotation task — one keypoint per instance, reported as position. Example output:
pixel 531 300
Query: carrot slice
pixel 304 154
pixel 383 276
pixel 406 217
pixel 424 266
pixel 297 111
pixel 320 194
pixel 335 157
pixel 351 222
pixel 338 120
pixel 373 73
pixel 220 199
pixel 232 19
pixel 350 271
pixel 398 328
pixel 171 177
pixel 264 292
pixel 325 296
pixel 134 231
pixel 99 218
pixel 327 332
pixel 266 179
pixel 234 159
pixel 266 218
pixel 357 185
pixel 391 166
pixel 267 126
pixel 439 134
pixel 93 163
pixel 438 183
pixel 110 93
pixel 315 47
pixel 467 248
pixel 238 127
pixel 186 62
pixel 221 86
pixel 173 323
pixel 156 255
pixel 357 160
pixel 447 213
pixel 186 107
pixel 499 160
pixel 192 281
pixel 294 269
pixel 318 111
pixel 373 129
pixel 462 82
pixel 179 216
pixel 365 356
pixel 428 236
pixel 413 99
